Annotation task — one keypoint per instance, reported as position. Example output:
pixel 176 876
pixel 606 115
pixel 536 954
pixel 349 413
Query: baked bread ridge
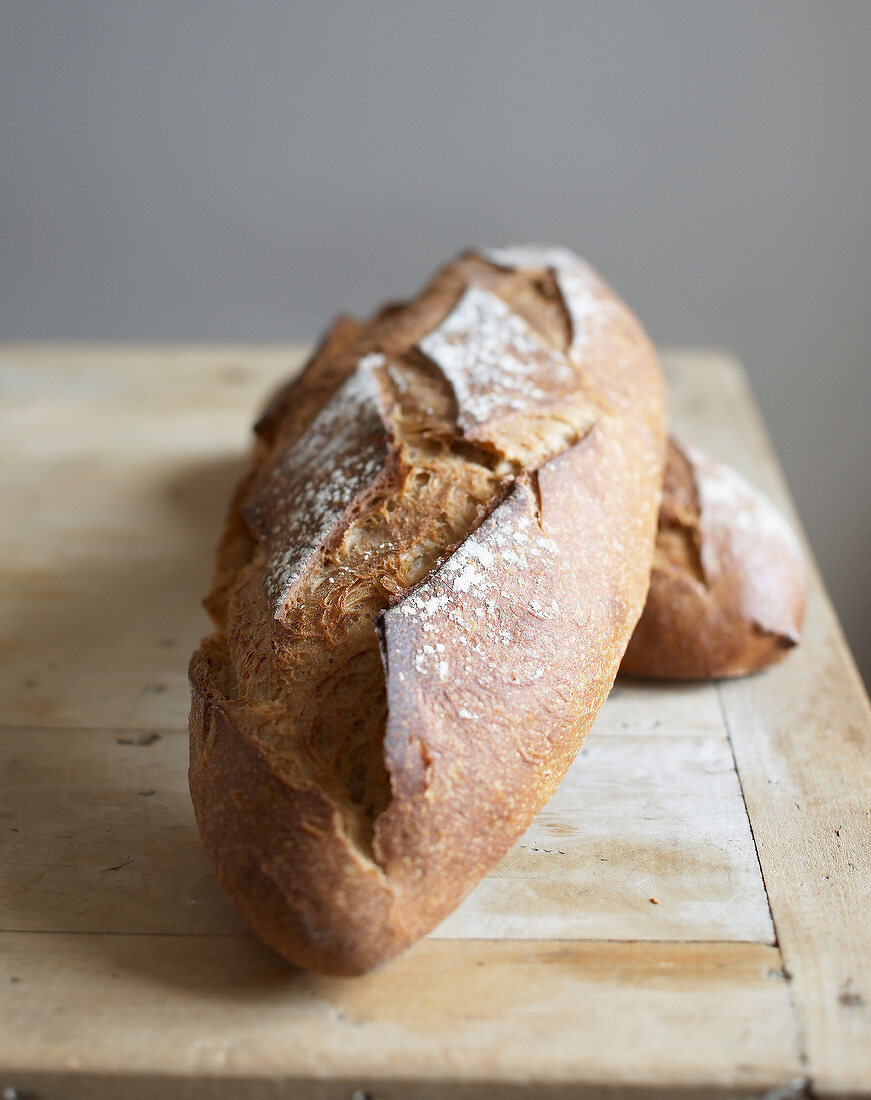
pixel 351 784
pixel 727 588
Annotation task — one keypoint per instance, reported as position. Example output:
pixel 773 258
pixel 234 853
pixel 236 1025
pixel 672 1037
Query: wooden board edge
pixel 801 737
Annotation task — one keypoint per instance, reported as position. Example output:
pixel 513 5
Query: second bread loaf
pixel 727 591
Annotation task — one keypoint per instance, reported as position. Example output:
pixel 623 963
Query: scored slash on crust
pixel 312 488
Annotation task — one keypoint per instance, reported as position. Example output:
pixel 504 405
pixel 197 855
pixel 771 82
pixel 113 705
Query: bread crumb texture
pixel 421 597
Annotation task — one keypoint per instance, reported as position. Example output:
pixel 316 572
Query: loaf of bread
pixel 426 583
pixel 727 591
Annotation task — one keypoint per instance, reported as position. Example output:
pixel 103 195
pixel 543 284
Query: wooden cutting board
pixel 691 914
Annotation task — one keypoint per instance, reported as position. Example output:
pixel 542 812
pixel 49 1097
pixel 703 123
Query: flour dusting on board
pixel 318 479
pixel 494 361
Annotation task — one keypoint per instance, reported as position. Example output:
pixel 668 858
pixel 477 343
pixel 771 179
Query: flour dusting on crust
pixel 587 300
pixel 461 613
pixel 728 499
pixel 317 480
pixel 734 514
pixel 495 362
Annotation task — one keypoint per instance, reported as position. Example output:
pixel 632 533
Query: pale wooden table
pixel 689 916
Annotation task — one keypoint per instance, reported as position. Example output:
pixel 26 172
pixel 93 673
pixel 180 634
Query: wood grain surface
pixel 624 947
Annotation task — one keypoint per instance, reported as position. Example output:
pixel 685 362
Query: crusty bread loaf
pixel 424 589
pixel 727 590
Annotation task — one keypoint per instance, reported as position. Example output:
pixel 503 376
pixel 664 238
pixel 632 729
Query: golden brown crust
pixel 727 590
pixel 449 528
pixel 260 828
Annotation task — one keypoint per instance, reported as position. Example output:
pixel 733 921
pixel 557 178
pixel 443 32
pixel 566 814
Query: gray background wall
pixel 218 171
